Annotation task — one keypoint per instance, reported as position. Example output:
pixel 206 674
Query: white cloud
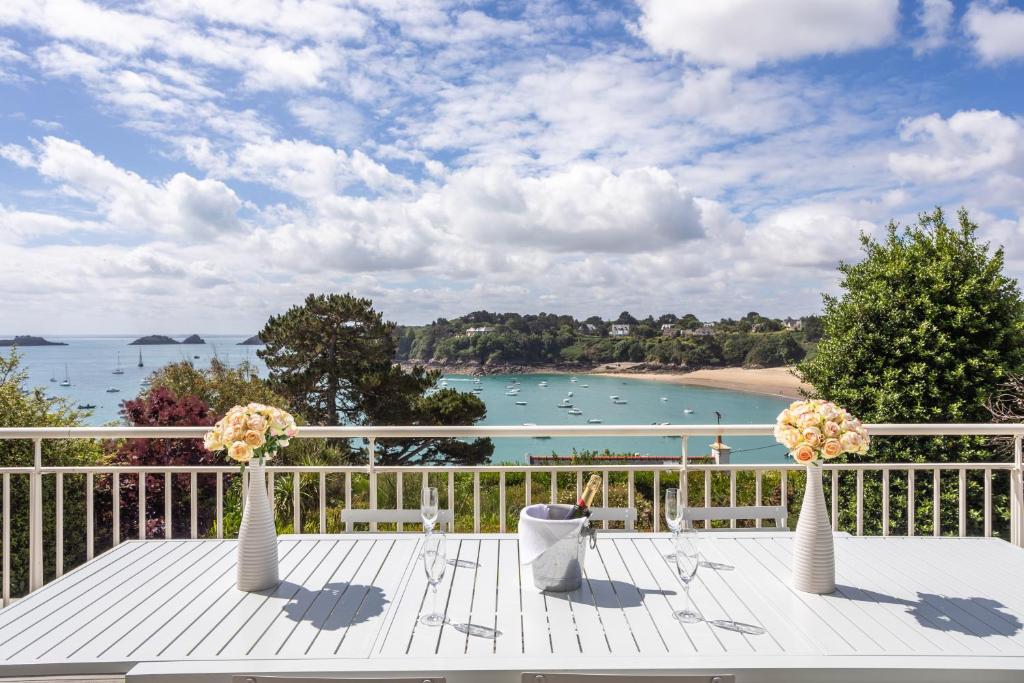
pixel 816 235
pixel 996 31
pixel 966 144
pixel 935 17
pixel 183 206
pixel 335 120
pixel 745 33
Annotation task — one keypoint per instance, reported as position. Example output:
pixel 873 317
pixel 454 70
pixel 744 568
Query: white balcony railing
pixel 951 485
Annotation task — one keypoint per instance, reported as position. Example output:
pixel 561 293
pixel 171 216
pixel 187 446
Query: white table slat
pixel 114 593
pixel 509 610
pixel 295 612
pixel 901 605
pixel 307 628
pixel 485 597
pixel 630 596
pixel 348 610
pixel 616 627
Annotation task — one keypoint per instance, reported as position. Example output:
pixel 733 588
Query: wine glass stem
pixel 433 588
pixel 686 597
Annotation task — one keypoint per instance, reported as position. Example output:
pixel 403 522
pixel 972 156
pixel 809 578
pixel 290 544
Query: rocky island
pixel 153 340
pixel 193 339
pixel 29 340
pixel 254 340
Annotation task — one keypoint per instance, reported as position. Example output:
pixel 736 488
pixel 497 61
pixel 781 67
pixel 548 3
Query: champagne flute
pixel 673 516
pixel 687 562
pixel 429 508
pixel 435 559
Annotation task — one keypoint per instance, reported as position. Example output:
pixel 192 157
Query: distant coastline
pixel 779 382
pixel 29 340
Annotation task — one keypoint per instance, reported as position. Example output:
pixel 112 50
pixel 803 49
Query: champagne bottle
pixel 582 506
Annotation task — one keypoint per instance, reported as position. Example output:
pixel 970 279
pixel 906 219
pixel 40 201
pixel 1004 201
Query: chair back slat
pixel 625 515
pixel 777 513
pixel 391 516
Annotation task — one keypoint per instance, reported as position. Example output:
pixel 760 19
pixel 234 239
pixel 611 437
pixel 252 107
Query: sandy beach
pixel 773 381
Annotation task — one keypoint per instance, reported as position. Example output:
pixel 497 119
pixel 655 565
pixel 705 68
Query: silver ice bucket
pixel 560 567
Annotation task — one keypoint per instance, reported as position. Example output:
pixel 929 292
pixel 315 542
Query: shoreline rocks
pixel 29 340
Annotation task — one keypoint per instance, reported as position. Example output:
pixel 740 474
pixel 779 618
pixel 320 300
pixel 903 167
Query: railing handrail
pixel 406 432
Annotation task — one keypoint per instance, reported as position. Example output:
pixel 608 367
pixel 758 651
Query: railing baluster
pixel 604 495
pixel 90 518
pixel 142 506
pixel 115 509
pixel 554 486
pixel 656 522
pixel 501 501
pixel 988 503
pixel 732 495
pixel 527 486
pixel 168 513
pixel 630 490
pixel 911 504
pixel 371 455
pixel 476 501
pixel 707 491
pixel 323 502
pixel 1017 492
pixel 885 502
pixel 579 484
pixel 399 496
pixel 5 550
pixel 193 507
pixel 348 498
pixel 58 522
pixel 220 505
pixel 860 502
pixel 784 489
pixel 296 503
pixel 835 500
pixel 35 505
pixel 757 495
pixel 962 501
pixel 451 499
pixel 937 502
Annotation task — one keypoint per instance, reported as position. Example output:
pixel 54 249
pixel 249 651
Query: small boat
pixel 53 376
pixel 542 384
pixel 140 358
pixel 113 390
pixel 572 379
pixel 575 411
pixel 520 403
pixel 569 394
pixel 477 390
pixel 66 382
pixel 146 382
pixel 585 386
pixel 688 411
pixel 664 398
pixel 529 424
pixel 196 357
pixel 566 400
pixel 565 405
pixel 118 370
pixel 613 397
pixel 512 392
pixel 593 421
pixel 664 424
pixel 86 406
pixel 620 402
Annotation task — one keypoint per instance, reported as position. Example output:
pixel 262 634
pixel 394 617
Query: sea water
pixel 91 360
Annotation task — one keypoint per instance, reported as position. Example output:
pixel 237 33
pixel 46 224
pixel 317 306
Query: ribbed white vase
pixel 257 537
pixel 814 557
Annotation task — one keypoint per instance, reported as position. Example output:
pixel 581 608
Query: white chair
pixel 625 515
pixel 304 679
pixel 625 678
pixel 778 513
pixel 381 516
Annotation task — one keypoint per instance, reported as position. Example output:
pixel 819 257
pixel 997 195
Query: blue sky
pixel 179 165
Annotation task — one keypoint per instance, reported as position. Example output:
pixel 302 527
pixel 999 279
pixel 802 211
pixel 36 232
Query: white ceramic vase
pixel 257 537
pixel 814 558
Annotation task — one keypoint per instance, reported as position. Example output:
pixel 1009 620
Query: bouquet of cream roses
pixel 818 430
pixel 252 431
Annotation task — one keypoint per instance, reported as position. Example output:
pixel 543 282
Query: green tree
pixel 219 386
pixel 332 359
pixel 24 406
pixel 925 330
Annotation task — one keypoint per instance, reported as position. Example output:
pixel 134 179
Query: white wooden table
pixel 918 609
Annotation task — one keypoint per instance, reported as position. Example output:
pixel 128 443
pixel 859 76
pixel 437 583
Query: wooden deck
pixel 909 609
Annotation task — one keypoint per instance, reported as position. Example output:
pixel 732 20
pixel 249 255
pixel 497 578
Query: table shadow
pixel 335 606
pixel 945 613
pixel 605 593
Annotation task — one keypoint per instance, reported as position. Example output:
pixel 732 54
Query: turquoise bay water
pixel 90 361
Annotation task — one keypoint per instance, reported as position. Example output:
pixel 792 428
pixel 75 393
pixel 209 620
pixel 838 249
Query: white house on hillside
pixel 618 330
pixel 478 330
